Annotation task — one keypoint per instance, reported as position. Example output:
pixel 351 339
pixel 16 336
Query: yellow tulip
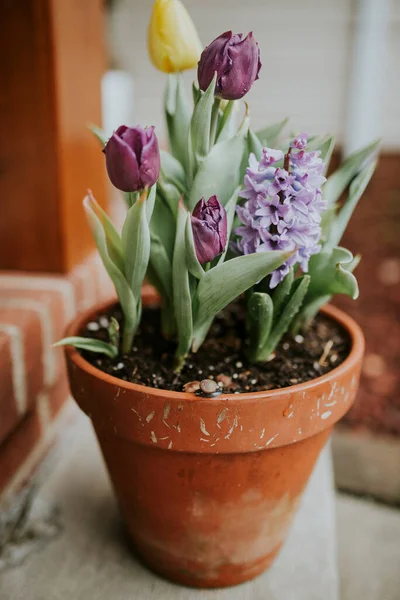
pixel 173 42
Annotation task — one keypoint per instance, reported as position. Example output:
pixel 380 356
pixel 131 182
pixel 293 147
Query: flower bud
pixel 237 62
pixel 173 41
pixel 132 158
pixel 209 226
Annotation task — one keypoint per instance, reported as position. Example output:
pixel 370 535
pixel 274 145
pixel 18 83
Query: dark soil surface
pixel 222 356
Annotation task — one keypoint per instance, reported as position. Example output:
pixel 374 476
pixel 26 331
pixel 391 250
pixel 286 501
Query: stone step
pixel 89 560
pixel 367 463
pixel 369 549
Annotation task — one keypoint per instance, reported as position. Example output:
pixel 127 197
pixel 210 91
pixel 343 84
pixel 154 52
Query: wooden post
pixel 52 61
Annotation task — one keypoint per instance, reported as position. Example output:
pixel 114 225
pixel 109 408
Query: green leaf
pixel 269 135
pixel 260 311
pixel 225 282
pixel 192 261
pixel 196 93
pixel 327 220
pixel 307 313
pixel 150 202
pixel 254 145
pixel 281 293
pixel 181 289
pixel 316 299
pixel 89 344
pixel 339 224
pixel 219 172
pixel 289 312
pixel 113 239
pixel 99 134
pixel 136 244
pixel 199 132
pixel 330 275
pixel 169 192
pixel 172 170
pixel 124 292
pixel 340 179
pixel 161 265
pixel 163 223
pixel 224 131
pixel 230 208
pixel 177 114
pixel 200 334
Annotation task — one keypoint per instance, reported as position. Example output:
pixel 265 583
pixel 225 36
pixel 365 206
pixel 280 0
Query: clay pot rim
pixel 348 323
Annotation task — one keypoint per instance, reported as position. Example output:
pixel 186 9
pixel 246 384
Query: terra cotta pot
pixel 208 487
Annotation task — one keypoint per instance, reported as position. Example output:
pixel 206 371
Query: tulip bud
pixel 236 61
pixel 209 226
pixel 173 41
pixel 132 158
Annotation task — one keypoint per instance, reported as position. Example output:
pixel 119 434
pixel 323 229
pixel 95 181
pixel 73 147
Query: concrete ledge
pixel 89 559
pixel 367 464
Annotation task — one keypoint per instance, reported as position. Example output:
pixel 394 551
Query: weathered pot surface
pixel 208 487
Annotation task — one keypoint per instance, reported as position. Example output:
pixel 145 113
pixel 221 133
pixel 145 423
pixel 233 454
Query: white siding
pixel 305 49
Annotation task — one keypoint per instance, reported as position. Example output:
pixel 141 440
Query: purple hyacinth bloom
pixel 274 241
pixel 283 206
pixel 209 226
pixel 300 141
pixel 271 211
pixel 235 59
pixel 270 157
pixel 132 158
pixel 282 180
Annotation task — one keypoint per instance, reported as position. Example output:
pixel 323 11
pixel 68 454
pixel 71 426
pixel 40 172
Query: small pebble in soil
pixel 209 388
pixel 191 387
pixel 224 380
pixel 104 321
pixel 92 326
pixel 299 339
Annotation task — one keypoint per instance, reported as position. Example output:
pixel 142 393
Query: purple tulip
pixel 209 227
pixel 132 158
pixel 237 62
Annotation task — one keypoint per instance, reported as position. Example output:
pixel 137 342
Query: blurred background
pixel 314 54
pixel 329 65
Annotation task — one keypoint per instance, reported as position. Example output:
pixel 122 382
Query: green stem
pixel 179 362
pixel 168 326
pixel 131 198
pixel 127 337
pixel 226 114
pixel 214 121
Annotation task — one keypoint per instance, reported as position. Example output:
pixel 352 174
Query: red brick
pixel 57 396
pixel 9 415
pixel 18 446
pixel 13 406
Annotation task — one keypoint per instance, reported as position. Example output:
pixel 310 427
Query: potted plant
pixel 213 397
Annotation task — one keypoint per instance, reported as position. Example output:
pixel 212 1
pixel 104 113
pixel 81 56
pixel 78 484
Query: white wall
pixel 305 49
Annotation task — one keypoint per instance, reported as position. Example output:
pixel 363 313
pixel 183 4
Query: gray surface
pixel 365 463
pixel 89 561
pixel 369 550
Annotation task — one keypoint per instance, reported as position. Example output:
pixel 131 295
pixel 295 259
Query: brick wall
pixel 34 312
